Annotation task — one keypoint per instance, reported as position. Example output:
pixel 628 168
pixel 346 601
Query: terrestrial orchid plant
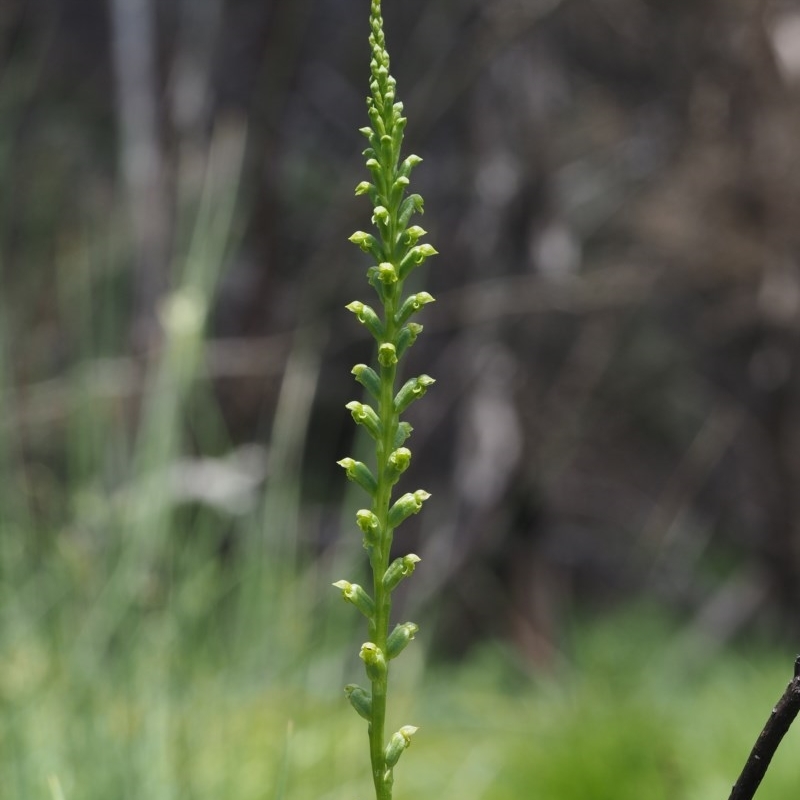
pixel 396 250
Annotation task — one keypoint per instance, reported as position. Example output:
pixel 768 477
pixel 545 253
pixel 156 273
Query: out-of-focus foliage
pixel 614 188
pixel 630 715
pixel 614 185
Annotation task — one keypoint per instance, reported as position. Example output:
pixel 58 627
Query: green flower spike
pixel 396 248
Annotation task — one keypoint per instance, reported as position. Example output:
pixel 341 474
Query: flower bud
pixel 355 594
pixel 397 744
pixel 412 304
pixel 407 336
pixel 386 147
pixel 375 169
pixel 398 187
pixel 399 568
pixel 404 430
pixel 412 390
pixel 411 205
pixel 406 505
pixel 398 462
pixel 360 699
pixel 370 526
pixel 399 125
pixel 359 472
pixel 374 661
pixel 377 123
pixel 365 415
pixel 368 378
pixel 399 639
pixel 408 164
pixel 387 355
pixel 367 317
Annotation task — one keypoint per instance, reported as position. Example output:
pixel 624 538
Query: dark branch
pixel 768 740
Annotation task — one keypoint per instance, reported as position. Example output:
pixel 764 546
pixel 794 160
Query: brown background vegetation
pixel 614 187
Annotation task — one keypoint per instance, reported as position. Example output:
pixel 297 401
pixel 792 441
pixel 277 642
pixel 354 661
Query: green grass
pixel 627 719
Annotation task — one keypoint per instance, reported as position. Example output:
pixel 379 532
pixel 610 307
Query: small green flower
pixel 399 461
pixel 365 415
pixel 359 472
pixel 415 257
pixel 407 337
pixel 398 743
pixel 368 243
pixel 374 660
pixel 370 526
pixel 408 504
pixel 399 568
pixel 355 594
pixel 387 354
pixel 412 304
pixel 367 317
pixel 387 274
pixel 412 390
pixel 369 379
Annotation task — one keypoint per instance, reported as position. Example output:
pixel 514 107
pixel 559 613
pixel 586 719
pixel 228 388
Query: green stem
pixel 380 561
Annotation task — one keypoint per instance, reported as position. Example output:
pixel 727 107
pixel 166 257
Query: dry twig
pixel 768 740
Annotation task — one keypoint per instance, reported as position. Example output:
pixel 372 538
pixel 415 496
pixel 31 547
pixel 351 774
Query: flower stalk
pixel 396 252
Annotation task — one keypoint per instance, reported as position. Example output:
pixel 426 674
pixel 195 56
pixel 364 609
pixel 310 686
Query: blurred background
pixel 610 579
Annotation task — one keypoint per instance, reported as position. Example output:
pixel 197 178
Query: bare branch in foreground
pixel 768 740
